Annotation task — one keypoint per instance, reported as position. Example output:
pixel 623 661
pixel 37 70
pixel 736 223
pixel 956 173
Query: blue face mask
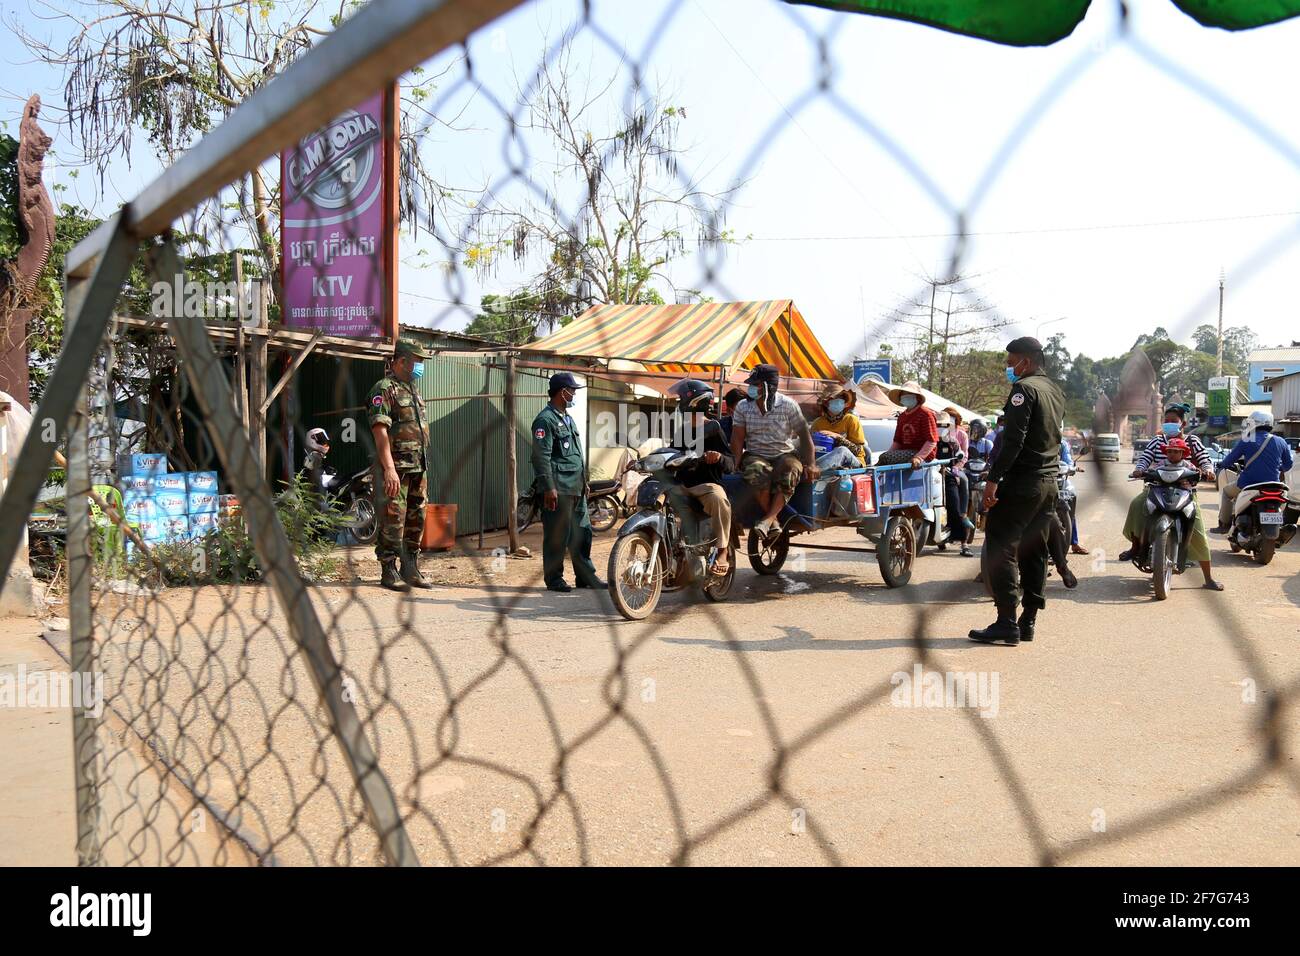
pixel 753 393
pixel 836 406
pixel 417 371
pixel 1012 377
pixel 1170 429
pixel 907 401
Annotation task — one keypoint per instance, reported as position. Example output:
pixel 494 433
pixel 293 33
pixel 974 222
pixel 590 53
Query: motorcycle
pixel 605 503
pixel 353 497
pixel 1171 515
pixel 1267 523
pixel 667 545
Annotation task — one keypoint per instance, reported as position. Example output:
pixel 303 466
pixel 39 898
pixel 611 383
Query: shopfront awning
pixel 698 339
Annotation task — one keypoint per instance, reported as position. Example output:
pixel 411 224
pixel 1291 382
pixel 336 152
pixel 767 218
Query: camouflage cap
pixel 409 347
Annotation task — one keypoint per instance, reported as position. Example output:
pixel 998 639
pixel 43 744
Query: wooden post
pixel 512 467
pixel 241 376
pixel 482 449
pixel 257 378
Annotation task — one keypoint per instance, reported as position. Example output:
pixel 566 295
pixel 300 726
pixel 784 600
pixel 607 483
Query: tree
pixel 171 70
pixel 1238 343
pixel 634 207
pixel 511 320
pixel 950 313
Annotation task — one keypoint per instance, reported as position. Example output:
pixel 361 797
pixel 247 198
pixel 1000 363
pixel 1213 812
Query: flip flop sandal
pixel 1212 586
pixel 719 573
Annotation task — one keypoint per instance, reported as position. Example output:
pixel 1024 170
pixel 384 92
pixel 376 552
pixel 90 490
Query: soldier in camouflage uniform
pixel 401 431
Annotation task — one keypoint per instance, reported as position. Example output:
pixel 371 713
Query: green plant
pixel 226 554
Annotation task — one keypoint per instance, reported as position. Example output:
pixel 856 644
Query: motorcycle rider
pixel 1267 458
pixel 1153 456
pixel 777 447
pixel 702 479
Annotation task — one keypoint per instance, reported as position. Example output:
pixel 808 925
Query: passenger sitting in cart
pixel 838 424
pixel 771 440
pixel 916 436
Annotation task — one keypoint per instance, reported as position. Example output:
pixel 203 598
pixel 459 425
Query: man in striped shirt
pixel 1153 456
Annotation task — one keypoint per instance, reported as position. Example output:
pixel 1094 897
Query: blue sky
pixel 1113 213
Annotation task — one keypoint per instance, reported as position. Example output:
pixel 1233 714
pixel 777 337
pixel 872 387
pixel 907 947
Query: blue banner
pixel 878 367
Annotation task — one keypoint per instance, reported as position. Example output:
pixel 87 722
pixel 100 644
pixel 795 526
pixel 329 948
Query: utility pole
pixel 929 342
pixel 1218 358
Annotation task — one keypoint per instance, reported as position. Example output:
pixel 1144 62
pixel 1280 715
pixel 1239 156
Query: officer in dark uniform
pixel 561 476
pixel 1020 496
pixel 401 431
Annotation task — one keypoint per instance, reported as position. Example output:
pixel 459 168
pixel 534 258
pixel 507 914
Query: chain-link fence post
pixel 215 399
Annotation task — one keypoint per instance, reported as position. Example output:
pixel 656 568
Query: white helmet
pixel 317 439
pixel 1259 419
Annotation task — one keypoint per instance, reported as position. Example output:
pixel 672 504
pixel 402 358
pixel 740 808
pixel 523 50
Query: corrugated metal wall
pixel 464 469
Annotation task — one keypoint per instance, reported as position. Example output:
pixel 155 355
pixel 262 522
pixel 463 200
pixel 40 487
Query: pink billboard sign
pixel 335 226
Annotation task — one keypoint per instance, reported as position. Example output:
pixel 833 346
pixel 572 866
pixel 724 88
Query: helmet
pixel 1260 419
pixel 1177 444
pixel 317 439
pixel 693 395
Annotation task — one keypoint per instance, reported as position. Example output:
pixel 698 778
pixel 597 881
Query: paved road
pixel 1121 707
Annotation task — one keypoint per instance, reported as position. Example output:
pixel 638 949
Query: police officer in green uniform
pixel 401 431
pixel 1020 496
pixel 561 476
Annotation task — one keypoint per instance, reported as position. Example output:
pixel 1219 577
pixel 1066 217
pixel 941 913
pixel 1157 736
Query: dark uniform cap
pixel 764 373
pixel 563 380
pixel 1025 345
pixel 409 347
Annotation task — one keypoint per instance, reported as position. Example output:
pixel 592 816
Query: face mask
pixel 907 401
pixel 568 395
pixel 1170 429
pixel 943 431
pixel 417 371
pixel 836 406
pixel 753 393
pixel 1011 374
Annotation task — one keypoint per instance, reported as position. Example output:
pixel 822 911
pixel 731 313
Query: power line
pixel 1154 224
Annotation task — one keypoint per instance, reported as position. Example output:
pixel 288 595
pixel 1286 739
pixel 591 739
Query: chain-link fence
pixel 264 700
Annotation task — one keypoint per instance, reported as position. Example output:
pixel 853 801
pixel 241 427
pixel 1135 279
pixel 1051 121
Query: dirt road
pixel 778 728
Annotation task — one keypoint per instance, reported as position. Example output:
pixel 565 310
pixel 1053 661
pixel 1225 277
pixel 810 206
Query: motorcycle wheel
pixel 363 527
pixel 634 597
pixel 717 588
pixel 1265 553
pixel 1162 564
pixel 896 551
pixel 525 512
pixel 766 556
pixel 603 512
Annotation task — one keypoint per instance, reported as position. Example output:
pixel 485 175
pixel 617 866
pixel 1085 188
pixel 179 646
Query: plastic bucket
pixel 439 527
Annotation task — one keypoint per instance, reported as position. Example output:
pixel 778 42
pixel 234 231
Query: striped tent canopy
pixel 696 339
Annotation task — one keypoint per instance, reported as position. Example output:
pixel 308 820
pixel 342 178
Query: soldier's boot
pixel 1004 630
pixel 411 573
pixel 389 577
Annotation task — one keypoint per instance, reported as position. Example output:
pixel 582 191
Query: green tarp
pixel 1041 22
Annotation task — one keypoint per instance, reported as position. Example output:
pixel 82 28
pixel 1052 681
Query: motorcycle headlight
pixel 647 494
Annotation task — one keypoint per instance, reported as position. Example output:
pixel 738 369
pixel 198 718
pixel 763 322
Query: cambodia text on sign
pixel 336 227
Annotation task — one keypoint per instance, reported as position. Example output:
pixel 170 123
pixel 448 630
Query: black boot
pixel 1004 630
pixel 411 573
pixel 389 577
pixel 1028 618
pixel 1067 578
